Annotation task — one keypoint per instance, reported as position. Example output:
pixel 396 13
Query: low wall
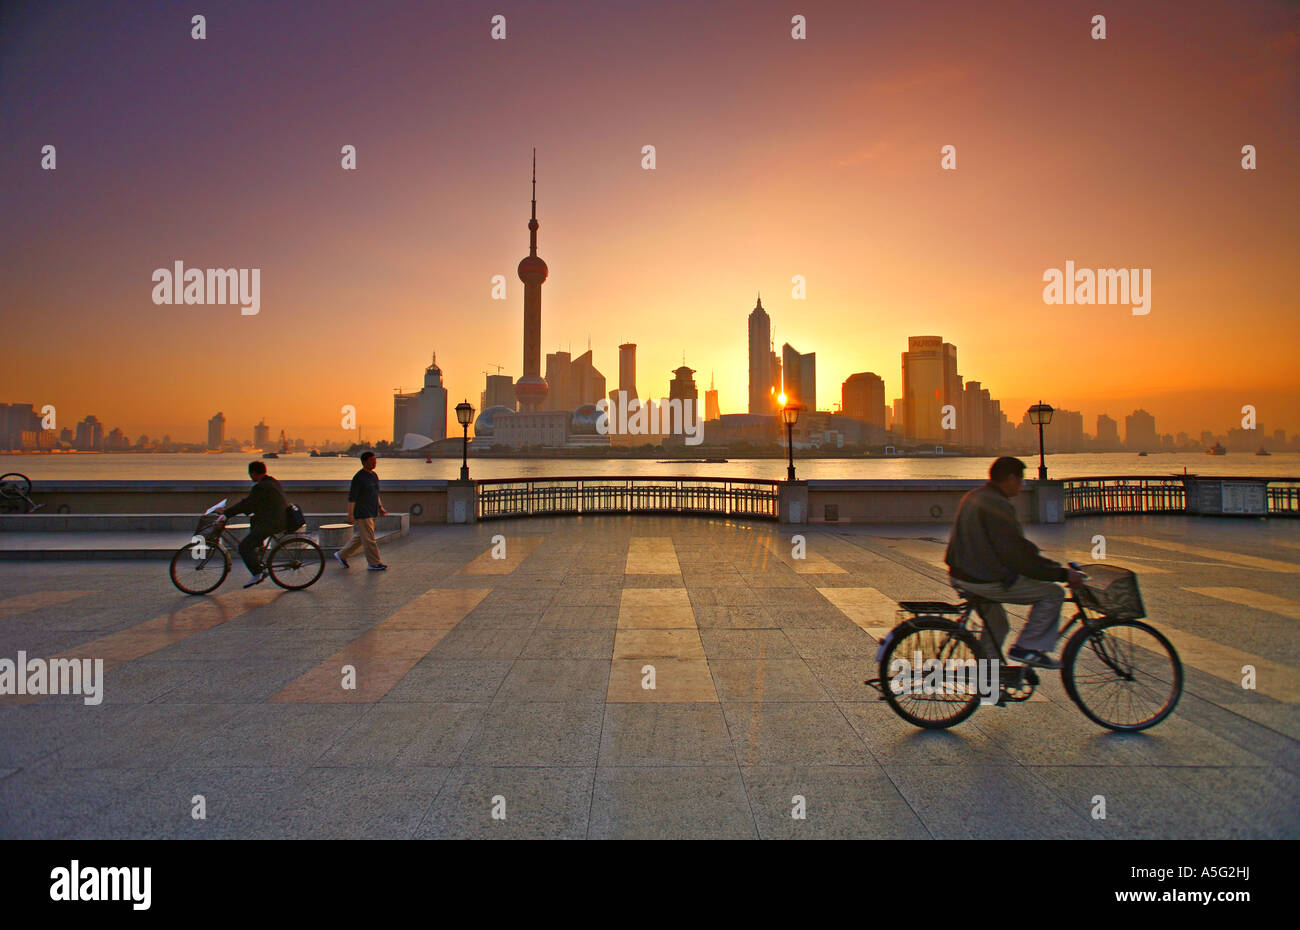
pixel 917 501
pixel 424 500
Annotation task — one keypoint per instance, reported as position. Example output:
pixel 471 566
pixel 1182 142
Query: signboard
pixel 1244 497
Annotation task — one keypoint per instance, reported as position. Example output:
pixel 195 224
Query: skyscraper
pixel 711 411
pixel 627 369
pixel 762 374
pixel 572 382
pixel 1140 431
pixel 530 389
pixel 262 436
pixel 1107 433
pixel 216 430
pixel 930 382
pixel 862 397
pixel 799 377
pixel 682 388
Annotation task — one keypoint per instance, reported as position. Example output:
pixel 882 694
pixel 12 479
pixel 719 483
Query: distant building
pixel 1107 434
pixel 216 431
pixel 930 382
pixel 627 369
pixel 711 411
pixel 799 377
pixel 1140 431
pixel 500 392
pixel 117 441
pixel 262 436
pixel 572 382
pixel 762 374
pixel 682 388
pixel 862 397
pixel 422 415
pixel 15 421
pixel 90 434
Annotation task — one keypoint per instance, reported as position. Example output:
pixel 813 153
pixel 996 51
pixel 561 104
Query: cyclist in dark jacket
pixel 266 503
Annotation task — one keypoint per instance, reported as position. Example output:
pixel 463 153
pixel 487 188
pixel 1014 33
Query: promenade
pixel 513 686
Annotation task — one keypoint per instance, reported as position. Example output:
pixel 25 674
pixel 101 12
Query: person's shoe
pixel 342 561
pixel 1033 657
pixel 256 579
pixel 381 567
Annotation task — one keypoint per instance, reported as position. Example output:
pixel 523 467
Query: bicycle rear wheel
pixel 932 701
pixel 1123 674
pixel 15 490
pixel 295 563
pixel 198 570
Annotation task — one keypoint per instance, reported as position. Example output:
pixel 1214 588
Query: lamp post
pixel 464 413
pixel 789 413
pixel 1040 414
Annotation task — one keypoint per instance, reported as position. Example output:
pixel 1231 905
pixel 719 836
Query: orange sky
pixel 775 158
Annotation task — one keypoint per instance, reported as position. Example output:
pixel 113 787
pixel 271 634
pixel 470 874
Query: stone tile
pixel 676 802
pixel 563 734
pixel 656 618
pixel 665 734
pixel 747 644
pixel 550 802
pixel 390 734
pixel 766 680
pixel 648 644
pixel 675 680
pixel 451 680
pixel 569 644
pixel 838 802
pixel 546 680
pixel 793 734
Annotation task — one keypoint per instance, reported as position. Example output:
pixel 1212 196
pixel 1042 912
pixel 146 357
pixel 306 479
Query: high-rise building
pixel 90 433
pixel 530 389
pixel 627 369
pixel 406 410
pixel 500 392
pixel 930 383
pixel 799 377
pixel 862 397
pixel 1140 431
pixel 15 420
pixel 262 436
pixel 763 376
pixel 1107 433
pixel 711 411
pixel 216 431
pixel 682 388
pixel 572 382
pixel 1065 432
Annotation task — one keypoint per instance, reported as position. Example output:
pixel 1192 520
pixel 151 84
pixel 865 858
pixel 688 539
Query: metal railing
pixel 1120 494
pixel 527 497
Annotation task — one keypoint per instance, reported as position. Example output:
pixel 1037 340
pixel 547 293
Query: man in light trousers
pixel 989 557
pixel 364 506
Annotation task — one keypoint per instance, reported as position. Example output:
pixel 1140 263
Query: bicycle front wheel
pixel 199 568
pixel 295 563
pixel 1123 674
pixel 925 694
pixel 15 490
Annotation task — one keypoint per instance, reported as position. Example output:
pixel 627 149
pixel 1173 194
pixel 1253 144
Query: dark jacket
pixel 266 502
pixel 987 543
pixel 363 494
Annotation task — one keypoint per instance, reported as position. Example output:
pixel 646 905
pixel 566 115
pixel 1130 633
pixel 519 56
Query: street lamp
pixel 1040 414
pixel 789 413
pixel 464 413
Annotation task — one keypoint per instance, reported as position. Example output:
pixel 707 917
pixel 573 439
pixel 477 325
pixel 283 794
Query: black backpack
pixel 293 518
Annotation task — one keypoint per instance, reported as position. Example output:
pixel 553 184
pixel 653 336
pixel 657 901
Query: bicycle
pixel 16 489
pixel 1121 673
pixel 293 560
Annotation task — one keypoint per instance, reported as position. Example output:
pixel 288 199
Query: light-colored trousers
pixel 1040 630
pixel 363 534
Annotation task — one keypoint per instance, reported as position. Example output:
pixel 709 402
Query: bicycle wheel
pixel 932 701
pixel 1123 674
pixel 198 571
pixel 295 563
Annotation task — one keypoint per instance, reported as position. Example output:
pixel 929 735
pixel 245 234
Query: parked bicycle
pixel 293 560
pixel 1121 673
pixel 16 494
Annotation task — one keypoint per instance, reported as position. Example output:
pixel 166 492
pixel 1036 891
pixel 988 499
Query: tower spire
pixel 532 223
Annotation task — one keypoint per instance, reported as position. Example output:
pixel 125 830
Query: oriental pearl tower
pixel 531 388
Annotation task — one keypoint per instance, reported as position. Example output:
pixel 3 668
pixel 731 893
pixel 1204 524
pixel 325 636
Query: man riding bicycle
pixel 990 559
pixel 267 505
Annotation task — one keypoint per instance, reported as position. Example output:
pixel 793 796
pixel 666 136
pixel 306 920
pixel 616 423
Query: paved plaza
pixel 503 697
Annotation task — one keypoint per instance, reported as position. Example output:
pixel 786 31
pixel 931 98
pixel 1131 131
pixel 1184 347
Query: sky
pixel 775 157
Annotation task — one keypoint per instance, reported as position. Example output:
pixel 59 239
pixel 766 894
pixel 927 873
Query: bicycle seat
pixel 931 607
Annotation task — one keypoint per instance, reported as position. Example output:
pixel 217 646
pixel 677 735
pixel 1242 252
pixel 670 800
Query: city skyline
pixel 888 244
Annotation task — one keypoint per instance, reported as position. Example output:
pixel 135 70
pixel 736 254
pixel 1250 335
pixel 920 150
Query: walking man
pixel 364 506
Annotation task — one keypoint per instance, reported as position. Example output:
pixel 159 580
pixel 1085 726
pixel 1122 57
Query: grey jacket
pixel 987 543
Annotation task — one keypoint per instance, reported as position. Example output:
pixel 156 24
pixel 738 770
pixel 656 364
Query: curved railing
pixel 527 497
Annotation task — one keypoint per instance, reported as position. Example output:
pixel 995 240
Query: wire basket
pixel 209 527
pixel 1112 591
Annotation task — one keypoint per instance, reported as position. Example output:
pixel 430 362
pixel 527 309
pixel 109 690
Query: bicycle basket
pixel 209 527
pixel 1112 591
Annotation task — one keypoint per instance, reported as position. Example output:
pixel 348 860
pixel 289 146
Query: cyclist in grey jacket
pixel 989 557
